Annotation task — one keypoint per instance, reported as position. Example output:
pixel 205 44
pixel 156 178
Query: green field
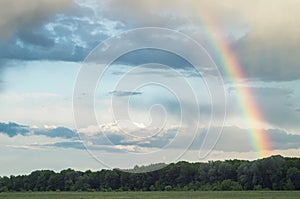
pixel 129 195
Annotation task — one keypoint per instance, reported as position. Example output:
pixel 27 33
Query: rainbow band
pixel 247 103
pixel 227 60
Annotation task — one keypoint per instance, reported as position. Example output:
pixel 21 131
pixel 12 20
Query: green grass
pixel 148 195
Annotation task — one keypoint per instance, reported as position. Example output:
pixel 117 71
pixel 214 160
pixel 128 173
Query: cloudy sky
pixel 92 84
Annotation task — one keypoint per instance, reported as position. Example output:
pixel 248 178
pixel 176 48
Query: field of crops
pixel 152 195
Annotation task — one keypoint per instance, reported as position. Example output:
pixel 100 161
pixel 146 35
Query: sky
pixel 93 84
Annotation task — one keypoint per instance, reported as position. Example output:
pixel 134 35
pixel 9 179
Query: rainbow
pixel 229 64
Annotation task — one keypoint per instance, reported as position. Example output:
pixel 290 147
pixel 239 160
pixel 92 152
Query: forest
pixel 272 173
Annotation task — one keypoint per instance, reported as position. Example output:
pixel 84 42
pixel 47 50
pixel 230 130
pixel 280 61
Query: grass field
pixel 148 195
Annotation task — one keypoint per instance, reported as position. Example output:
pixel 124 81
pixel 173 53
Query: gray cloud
pixel 12 129
pixel 15 14
pixel 67 36
pixel 234 139
pixel 158 141
pixel 276 101
pixel 106 140
pixel 145 13
pixel 125 93
pixel 267 58
pixel 278 105
pixel 113 142
pixel 80 146
pixel 38 44
pixel 60 132
pixel 72 145
pixel 282 140
pixel 122 139
pixel 265 17
pixel 145 56
pixel 36 39
pixel 267 91
pixel 268 51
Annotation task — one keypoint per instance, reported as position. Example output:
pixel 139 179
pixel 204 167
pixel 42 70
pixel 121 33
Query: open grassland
pixel 148 195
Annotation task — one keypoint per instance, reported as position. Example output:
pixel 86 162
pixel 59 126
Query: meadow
pixel 153 195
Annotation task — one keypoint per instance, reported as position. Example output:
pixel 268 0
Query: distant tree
pixel 245 175
pixel 293 176
pixel 112 179
pixel 274 173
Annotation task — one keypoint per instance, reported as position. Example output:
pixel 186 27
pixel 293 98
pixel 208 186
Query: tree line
pixel 273 173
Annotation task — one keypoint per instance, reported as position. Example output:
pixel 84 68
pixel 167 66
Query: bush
pixel 168 188
pixel 152 188
pixel 229 185
pixel 3 189
pixel 257 187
